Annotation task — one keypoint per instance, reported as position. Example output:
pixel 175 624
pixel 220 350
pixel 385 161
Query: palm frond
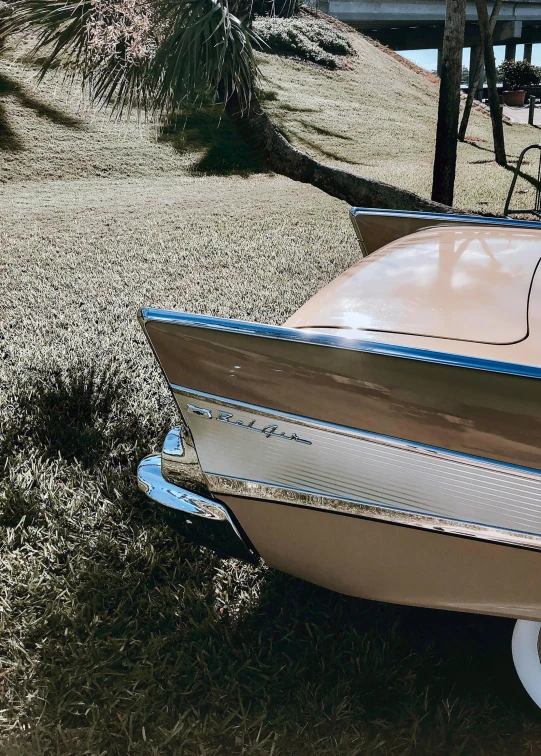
pixel 59 26
pixel 206 50
pixel 195 48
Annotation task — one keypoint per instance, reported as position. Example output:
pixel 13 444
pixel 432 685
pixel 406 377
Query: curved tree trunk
pixel 257 129
pixel 476 75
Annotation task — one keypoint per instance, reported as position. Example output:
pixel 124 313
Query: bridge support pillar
pixel 438 64
pixel 528 52
pixel 510 51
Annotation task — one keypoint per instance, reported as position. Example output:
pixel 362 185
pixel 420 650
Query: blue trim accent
pixel 453 217
pixel 247 328
pixel 376 437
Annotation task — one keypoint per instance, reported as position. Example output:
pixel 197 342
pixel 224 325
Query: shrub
pixel 518 74
pixel 304 38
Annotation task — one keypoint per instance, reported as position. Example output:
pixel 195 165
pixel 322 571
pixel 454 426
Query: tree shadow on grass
pixel 532 180
pixel 314 147
pixel 209 132
pixel 325 132
pixel 78 414
pixel 9 140
pixel 297 108
pixel 510 167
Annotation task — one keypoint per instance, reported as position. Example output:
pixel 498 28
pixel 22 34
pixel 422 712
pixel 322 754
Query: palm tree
pixel 156 55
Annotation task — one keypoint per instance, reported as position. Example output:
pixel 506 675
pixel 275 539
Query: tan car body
pixel 386 441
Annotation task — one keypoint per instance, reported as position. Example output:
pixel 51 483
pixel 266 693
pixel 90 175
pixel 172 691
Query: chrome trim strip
pixel 246 328
pixel 366 510
pixel 283 493
pixel 453 217
pixel 345 430
pixel 206 521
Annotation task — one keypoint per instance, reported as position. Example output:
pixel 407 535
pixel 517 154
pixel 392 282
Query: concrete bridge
pixel 418 24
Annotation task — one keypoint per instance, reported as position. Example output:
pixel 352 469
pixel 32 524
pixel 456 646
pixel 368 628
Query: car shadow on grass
pixel 209 132
pixel 136 641
pixel 314 671
pixel 424 681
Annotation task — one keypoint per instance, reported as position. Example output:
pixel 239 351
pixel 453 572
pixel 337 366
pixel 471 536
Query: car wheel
pixel 526 656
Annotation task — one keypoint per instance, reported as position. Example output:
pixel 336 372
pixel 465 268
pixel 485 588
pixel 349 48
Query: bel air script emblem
pixel 269 431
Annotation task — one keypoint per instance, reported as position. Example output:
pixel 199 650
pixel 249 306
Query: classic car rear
pixel 385 442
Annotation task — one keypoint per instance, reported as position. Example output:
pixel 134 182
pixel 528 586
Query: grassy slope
pixel 379 119
pixel 115 636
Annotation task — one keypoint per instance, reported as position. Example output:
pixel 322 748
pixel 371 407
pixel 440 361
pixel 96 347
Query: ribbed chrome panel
pixel 270 448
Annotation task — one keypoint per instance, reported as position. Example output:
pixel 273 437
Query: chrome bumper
pixel 200 519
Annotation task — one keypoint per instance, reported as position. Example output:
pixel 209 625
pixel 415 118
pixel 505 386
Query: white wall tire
pixel 525 646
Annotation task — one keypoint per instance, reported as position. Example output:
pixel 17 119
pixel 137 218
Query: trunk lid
pixel 466 283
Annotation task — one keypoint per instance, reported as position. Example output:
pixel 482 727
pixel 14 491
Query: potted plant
pixel 517 74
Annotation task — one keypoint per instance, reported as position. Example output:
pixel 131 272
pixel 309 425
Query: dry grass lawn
pixel 116 637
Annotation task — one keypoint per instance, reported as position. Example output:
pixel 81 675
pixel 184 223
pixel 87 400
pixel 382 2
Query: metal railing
pixel 536 210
